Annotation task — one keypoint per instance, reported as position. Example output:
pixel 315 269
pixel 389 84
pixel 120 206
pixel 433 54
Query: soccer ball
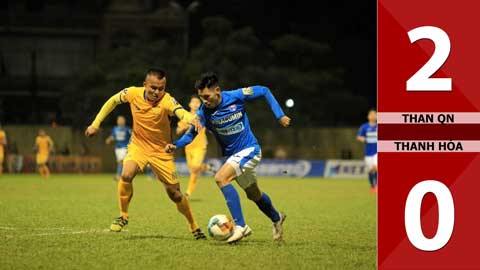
pixel 220 227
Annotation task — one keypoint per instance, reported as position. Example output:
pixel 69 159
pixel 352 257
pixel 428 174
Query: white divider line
pixel 428 118
pixel 445 146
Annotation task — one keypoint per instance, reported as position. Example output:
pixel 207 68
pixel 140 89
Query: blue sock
pixel 233 203
pixel 375 178
pixel 119 168
pixel 265 204
pixel 371 179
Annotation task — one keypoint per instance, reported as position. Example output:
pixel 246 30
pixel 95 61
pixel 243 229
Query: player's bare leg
pixel 373 173
pixel 125 194
pixel 118 174
pixel 223 178
pixel 173 191
pixel 262 200
pixel 1 164
pixel 42 171
pixel 46 170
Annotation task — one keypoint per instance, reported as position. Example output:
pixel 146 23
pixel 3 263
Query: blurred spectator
pixel 280 152
pixel 65 151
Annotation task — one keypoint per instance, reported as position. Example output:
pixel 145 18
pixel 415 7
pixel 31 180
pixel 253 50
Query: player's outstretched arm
pixel 362 134
pixel 187 138
pixel 361 139
pixel 106 109
pixel 258 91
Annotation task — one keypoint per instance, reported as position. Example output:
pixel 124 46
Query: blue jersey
pixel 229 121
pixel 122 136
pixel 370 134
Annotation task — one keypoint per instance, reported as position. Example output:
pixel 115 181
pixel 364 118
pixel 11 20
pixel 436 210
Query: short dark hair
pixel 195 96
pixel 208 80
pixel 372 110
pixel 157 72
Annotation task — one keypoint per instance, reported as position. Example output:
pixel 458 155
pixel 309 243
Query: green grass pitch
pixel 62 223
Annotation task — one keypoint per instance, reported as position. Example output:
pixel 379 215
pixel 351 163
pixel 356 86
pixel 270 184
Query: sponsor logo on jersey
pixel 231 130
pixel 227 119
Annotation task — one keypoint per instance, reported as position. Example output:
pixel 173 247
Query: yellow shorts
pixel 195 157
pixel 163 166
pixel 42 159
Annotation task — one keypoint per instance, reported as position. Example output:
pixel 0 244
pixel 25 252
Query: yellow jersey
pixel 151 122
pixel 43 144
pixel 199 142
pixel 3 138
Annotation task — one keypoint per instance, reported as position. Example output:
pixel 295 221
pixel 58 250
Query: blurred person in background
pixel 43 147
pixel 121 136
pixel 196 150
pixel 3 144
pixel 367 134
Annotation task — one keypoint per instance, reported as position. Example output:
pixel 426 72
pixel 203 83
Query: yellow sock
pixel 192 184
pixel 125 194
pixel 184 207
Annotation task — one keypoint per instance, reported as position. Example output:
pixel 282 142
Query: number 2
pixel 421 80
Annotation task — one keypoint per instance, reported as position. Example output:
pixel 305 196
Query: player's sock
pixel 184 207
pixel 375 178
pixel 192 184
pixel 371 179
pixel 125 194
pixel 119 168
pixel 265 204
pixel 233 203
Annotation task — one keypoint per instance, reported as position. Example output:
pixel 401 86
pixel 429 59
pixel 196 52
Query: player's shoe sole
pixel 278 227
pixel 239 233
pixel 118 224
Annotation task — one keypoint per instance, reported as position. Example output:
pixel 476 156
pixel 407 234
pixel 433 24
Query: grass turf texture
pixel 62 223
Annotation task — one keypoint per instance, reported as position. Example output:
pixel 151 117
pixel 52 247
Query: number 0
pixel 446 215
pixel 421 80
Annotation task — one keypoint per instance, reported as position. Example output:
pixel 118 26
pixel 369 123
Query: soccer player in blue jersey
pixel 121 136
pixel 368 134
pixel 223 113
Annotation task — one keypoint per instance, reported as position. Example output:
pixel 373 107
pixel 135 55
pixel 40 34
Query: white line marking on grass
pixel 7 228
pixel 73 232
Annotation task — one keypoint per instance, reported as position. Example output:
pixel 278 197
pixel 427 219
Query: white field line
pixel 56 231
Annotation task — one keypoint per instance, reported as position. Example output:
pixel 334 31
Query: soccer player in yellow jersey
pixel 195 151
pixel 151 108
pixel 43 146
pixel 3 143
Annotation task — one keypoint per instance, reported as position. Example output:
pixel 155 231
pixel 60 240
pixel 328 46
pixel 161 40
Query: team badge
pixel 232 107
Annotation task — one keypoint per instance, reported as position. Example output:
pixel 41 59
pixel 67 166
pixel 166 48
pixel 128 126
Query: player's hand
pixel 169 148
pixel 197 124
pixel 91 131
pixel 108 140
pixel 284 121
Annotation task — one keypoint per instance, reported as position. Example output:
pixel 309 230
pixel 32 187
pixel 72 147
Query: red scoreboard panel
pixel 429 134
